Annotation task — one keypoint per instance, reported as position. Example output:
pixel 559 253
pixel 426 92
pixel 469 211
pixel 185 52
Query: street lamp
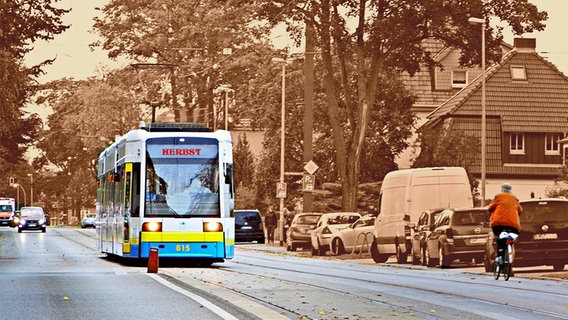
pixel 476 21
pixel 31 175
pixel 225 89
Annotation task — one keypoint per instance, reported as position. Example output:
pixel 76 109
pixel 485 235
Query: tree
pixel 191 36
pixel 243 163
pixel 359 50
pixel 22 22
pixel 451 148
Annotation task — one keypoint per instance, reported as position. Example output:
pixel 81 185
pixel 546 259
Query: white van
pixel 404 195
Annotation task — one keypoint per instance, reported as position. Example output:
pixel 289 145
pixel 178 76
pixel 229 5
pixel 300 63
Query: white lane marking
pixel 215 309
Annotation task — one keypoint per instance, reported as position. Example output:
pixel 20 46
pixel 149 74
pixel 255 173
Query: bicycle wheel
pixel 506 263
pixel 506 271
pixel 496 270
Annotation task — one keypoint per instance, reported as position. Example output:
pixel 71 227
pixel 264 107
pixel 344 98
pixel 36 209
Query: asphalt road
pixel 61 275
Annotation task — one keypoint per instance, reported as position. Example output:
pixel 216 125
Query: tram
pixel 167 186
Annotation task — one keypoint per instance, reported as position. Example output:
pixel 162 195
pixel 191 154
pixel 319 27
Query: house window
pixel 517 143
pixel 459 78
pixel 551 143
pixel 518 73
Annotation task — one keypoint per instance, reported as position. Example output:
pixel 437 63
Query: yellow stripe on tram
pixel 182 236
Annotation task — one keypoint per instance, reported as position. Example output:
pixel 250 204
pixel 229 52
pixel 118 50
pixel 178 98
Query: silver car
pixel 358 236
pixel 328 226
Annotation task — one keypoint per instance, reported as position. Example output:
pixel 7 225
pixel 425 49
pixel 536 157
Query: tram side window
pixel 135 190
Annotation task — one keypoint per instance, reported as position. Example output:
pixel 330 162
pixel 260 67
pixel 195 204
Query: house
pixel 526 116
pixel 434 86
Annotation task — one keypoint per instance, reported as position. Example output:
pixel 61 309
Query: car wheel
pixel 315 251
pixel 416 256
pixel 321 250
pixel 488 260
pixel 430 262
pixel 423 260
pixel 376 255
pixel 401 257
pixel 43 230
pixel 337 247
pixel 444 259
pixel 293 247
pixel 83 227
pixel 558 266
pixel 19 230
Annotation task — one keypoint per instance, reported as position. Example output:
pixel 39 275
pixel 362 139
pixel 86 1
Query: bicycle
pixel 503 265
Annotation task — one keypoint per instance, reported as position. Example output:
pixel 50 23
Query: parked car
pixel 404 195
pixel 300 231
pixel 89 221
pixel 543 239
pixel 358 235
pixel 248 226
pixel 328 225
pixel 423 228
pixel 32 218
pixel 457 234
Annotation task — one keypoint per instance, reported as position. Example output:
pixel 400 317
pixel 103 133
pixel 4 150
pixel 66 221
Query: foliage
pixel 85 118
pixel 357 48
pixel 190 36
pixel 449 148
pixel 560 188
pixel 243 163
pixel 22 22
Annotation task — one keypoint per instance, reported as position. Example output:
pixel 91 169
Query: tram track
pixel 389 298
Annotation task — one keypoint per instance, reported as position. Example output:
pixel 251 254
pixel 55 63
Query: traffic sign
pixel 308 183
pixel 311 167
pixel 281 190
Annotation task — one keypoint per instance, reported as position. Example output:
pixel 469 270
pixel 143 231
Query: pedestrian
pixel 270 221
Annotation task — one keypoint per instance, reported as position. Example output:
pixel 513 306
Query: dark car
pixel 422 229
pixel 300 231
pixel 248 226
pixel 543 239
pixel 32 218
pixel 458 234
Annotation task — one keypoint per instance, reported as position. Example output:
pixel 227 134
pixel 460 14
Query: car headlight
pixel 41 221
pixel 23 221
pixel 16 220
pixel 152 226
pixel 212 226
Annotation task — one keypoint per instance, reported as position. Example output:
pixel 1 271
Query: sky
pixel 75 59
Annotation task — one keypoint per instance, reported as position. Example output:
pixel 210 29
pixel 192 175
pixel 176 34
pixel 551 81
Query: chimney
pixel 525 44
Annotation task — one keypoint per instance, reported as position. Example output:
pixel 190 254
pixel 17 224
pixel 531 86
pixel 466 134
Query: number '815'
pixel 182 247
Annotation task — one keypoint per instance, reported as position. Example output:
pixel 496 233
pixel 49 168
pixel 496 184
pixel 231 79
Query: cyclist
pixel 505 210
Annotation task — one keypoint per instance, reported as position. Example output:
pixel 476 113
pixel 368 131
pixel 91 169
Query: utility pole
pixel 308 107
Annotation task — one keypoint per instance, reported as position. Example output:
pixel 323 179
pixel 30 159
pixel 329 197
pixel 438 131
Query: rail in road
pixel 414 292
pixel 265 282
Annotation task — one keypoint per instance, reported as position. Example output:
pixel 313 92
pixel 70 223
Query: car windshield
pixel 538 212
pixel 311 219
pixel 5 208
pixel 246 216
pixel 463 218
pixel 182 177
pixel 31 213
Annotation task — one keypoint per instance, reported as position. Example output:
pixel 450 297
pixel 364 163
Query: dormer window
pixel 459 78
pixel 518 73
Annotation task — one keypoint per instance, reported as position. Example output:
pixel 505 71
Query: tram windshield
pixel 182 177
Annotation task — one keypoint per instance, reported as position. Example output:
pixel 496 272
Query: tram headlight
pixel 152 226
pixel 212 226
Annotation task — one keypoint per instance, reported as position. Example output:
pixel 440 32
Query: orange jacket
pixel 505 209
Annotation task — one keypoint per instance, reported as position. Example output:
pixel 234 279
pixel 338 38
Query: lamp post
pixel 282 145
pixel 31 189
pixel 476 21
